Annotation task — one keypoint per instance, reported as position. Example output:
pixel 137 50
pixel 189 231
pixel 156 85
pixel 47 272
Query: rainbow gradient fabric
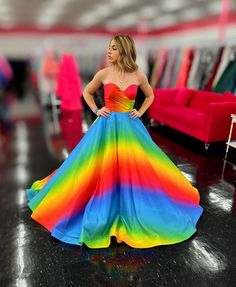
pixel 116 182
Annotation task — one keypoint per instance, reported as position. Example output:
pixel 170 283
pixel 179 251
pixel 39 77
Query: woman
pixel 117 182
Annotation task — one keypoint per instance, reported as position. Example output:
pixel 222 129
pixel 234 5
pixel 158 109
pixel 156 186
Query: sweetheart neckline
pixel 119 87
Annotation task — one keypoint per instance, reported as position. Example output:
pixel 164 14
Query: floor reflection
pixel 115 266
pixel 208 258
pixel 71 127
pixel 63 133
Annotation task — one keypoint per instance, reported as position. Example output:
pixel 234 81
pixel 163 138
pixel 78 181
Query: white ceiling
pixel 105 14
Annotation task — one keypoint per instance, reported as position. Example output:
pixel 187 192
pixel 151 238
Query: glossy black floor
pixel 31 257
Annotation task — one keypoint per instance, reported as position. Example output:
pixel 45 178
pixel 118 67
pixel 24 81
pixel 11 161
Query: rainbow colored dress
pixel 116 182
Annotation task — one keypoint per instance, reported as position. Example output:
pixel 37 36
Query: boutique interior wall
pixel 89 46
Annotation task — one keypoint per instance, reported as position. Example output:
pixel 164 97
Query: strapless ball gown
pixel 116 182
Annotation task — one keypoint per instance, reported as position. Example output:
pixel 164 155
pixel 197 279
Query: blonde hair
pixel 127 51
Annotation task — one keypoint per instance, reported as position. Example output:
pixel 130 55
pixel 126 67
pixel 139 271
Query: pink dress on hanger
pixel 69 87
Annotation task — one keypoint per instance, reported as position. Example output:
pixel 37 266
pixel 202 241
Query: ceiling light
pixel 163 21
pixel 93 17
pixel 112 25
pixel 123 21
pixel 214 7
pixel 172 5
pixel 191 14
pixel 5 18
pixel 4 9
pixel 88 19
pixel 102 10
pixel 129 17
pixel 51 12
pixel 149 12
pixel 120 3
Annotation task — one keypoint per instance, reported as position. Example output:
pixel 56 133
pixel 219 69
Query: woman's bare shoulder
pixel 141 75
pixel 102 74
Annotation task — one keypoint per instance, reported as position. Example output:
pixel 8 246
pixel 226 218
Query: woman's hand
pixel 104 112
pixel 134 114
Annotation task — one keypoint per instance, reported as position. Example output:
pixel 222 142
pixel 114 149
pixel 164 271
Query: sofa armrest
pixel 164 96
pixel 218 118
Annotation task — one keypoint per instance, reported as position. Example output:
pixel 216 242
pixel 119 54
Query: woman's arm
pixel 148 93
pixel 90 89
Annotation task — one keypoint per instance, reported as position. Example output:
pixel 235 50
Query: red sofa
pixel 201 114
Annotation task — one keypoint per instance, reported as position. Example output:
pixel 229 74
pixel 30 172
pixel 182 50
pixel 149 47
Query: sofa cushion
pixel 201 99
pixel 229 97
pixel 164 96
pixel 182 118
pixel 183 97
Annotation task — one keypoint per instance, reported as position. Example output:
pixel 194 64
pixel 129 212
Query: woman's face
pixel 113 53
